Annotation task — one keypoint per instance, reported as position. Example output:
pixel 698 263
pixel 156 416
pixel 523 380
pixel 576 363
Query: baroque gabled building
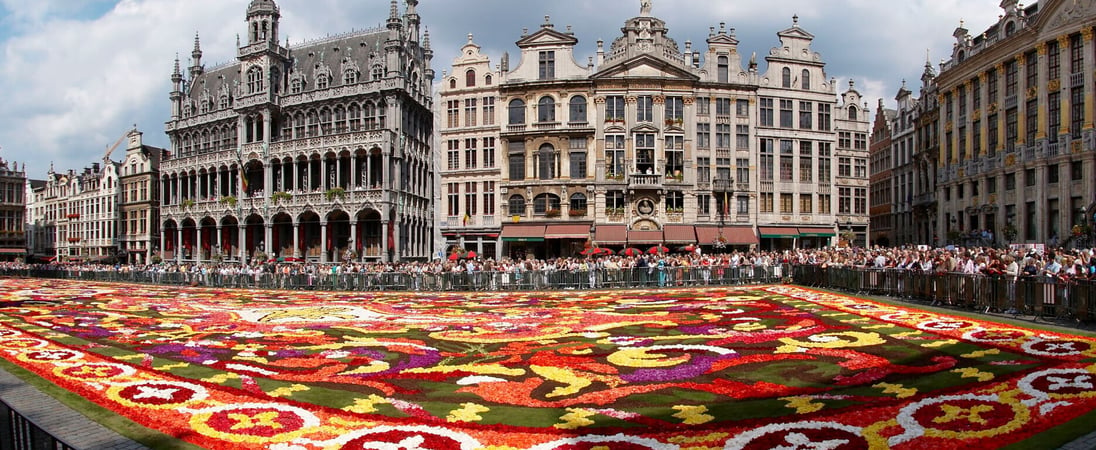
pixel 649 142
pixel 1017 145
pixel 75 215
pixel 321 151
pixel 139 199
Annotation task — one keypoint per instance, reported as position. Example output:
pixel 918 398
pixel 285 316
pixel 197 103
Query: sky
pixel 75 75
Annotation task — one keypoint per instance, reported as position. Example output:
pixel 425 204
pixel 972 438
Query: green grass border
pixel 95 413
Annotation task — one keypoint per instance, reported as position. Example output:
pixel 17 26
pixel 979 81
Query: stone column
pixel 323 241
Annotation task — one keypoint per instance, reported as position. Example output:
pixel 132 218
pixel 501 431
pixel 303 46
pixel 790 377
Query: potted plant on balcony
pixel 551 213
pixel 335 193
pixel 229 201
pixel 574 212
pixel 281 196
pixel 187 203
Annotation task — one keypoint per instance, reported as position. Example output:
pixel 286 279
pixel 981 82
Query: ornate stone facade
pixel 1017 147
pixel 318 152
pixel 649 143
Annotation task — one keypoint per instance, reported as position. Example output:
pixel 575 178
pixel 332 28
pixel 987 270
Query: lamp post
pixel 726 187
pixel 852 236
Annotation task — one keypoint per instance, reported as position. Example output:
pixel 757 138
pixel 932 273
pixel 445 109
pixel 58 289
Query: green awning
pixel 816 232
pixel 778 232
pixel 522 233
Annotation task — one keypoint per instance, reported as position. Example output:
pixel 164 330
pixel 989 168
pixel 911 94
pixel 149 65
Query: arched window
pixel 452 83
pixel 254 80
pixel 546 162
pixel 805 79
pixel 578 109
pixel 322 81
pixel 487 80
pixel 340 119
pixel 325 121
pixel 517 205
pixel 544 203
pixel 355 114
pixel 786 77
pixel 517 112
pixel 578 203
pixel 370 116
pixel 298 125
pixel 382 120
pixel 470 78
pixel 546 109
pixel 853 113
pixel 313 124
pixel 723 69
pixel 962 56
pixel 1010 28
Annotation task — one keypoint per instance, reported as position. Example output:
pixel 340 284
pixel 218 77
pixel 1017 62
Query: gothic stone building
pixel 649 143
pixel 316 152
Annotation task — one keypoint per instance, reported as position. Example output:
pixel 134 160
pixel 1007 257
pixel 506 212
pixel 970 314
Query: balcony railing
pixel 643 180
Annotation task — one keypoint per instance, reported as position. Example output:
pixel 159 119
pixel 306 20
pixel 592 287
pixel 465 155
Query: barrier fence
pixel 1039 296
pixel 19 433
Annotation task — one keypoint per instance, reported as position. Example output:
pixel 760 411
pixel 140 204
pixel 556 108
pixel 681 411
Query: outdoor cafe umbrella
pixel 687 249
pixel 631 252
pixel 595 251
pixel 658 249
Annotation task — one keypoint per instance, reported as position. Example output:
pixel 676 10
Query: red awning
pixel 567 231
pixel 732 235
pixel 611 235
pixel 13 251
pixel 679 234
pixel 523 233
pixel 638 237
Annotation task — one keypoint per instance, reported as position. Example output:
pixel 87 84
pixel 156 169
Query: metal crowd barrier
pixel 518 280
pixel 18 433
pixel 1038 296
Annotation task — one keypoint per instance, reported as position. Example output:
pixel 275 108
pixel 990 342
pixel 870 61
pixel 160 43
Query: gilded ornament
pixel 1054 85
pixel 1010 159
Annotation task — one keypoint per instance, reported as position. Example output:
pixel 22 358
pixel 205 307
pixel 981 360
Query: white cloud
pixel 72 84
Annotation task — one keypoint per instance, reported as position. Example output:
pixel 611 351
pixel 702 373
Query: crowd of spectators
pixel 1057 263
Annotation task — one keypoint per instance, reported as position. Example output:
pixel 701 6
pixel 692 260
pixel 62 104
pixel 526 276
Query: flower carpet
pixel 716 368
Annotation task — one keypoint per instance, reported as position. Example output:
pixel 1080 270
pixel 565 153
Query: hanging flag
pixel 466 219
pixel 243 178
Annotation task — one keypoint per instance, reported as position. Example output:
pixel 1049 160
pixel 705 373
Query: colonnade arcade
pixel 308 236
pixel 360 169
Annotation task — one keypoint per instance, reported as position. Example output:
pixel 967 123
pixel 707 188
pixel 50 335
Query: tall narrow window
pixel 766 112
pixel 517 112
pixel 546 162
pixel 547 65
pixel 644 106
pixel 614 108
pixel 675 156
pixel 470 78
pixel 645 152
pixel 546 109
pixel 675 107
pixel 577 109
pixel 722 69
pixel 805 80
pixel 786 77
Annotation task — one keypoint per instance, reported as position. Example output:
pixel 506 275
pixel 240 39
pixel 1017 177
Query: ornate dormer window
pixel 323 81
pixel 350 71
pixel 296 84
pixel 378 72
pixel 225 102
pixel 350 76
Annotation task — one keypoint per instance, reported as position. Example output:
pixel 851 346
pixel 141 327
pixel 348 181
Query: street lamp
pixel 852 236
pixel 726 186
